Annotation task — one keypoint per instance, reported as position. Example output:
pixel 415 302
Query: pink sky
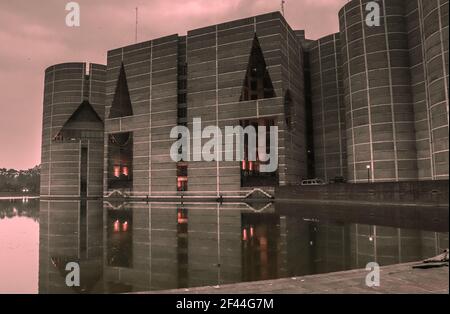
pixel 34 36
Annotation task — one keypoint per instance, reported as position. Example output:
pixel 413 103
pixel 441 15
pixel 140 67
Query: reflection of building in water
pixel 433 243
pixel 214 244
pixel 388 245
pixel 173 247
pixel 261 244
pixel 320 247
pixel 119 235
pixel 314 247
pixel 70 231
pixel 330 245
pixel 142 254
pixel 141 247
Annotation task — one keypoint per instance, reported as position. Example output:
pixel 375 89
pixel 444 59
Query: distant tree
pixel 12 180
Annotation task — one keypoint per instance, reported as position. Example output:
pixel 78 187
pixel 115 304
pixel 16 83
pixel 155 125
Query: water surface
pixel 19 246
pixel 142 247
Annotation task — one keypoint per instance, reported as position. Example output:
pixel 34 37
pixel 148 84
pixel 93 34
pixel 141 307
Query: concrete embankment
pixel 426 193
pixel 400 278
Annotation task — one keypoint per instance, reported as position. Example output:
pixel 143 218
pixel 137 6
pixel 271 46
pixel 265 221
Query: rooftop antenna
pixel 136 32
pixel 283 2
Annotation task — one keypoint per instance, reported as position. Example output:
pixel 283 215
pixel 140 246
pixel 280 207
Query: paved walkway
pixel 401 278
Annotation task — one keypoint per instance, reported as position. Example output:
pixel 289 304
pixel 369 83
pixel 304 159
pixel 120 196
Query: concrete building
pixel 366 104
pixel 328 108
pixel 428 49
pixel 377 93
pixel 73 131
pixel 369 103
pixel 391 84
pixel 395 93
pixel 246 72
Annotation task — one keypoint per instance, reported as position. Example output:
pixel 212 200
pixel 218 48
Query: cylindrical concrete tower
pixel 328 108
pixel 433 15
pixel 428 46
pixel 72 133
pixel 377 93
pixel 418 73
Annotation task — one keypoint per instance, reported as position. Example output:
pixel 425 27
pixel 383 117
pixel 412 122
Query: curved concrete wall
pixel 434 30
pixel 419 92
pixel 67 85
pixel 377 94
pixel 428 43
pixel 328 108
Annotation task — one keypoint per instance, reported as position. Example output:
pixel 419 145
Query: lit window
pixel 182 183
pixel 244 235
pixel 182 177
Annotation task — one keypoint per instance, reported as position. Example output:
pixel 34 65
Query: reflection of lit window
pixel 119 238
pixel 125 171
pixel 244 235
pixel 116 226
pixel 117 171
pixel 182 216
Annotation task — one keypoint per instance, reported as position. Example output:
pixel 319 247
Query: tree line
pixel 18 181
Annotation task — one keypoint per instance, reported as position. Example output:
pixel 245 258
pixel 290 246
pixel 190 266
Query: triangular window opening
pixel 257 82
pixel 84 123
pixel 121 105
